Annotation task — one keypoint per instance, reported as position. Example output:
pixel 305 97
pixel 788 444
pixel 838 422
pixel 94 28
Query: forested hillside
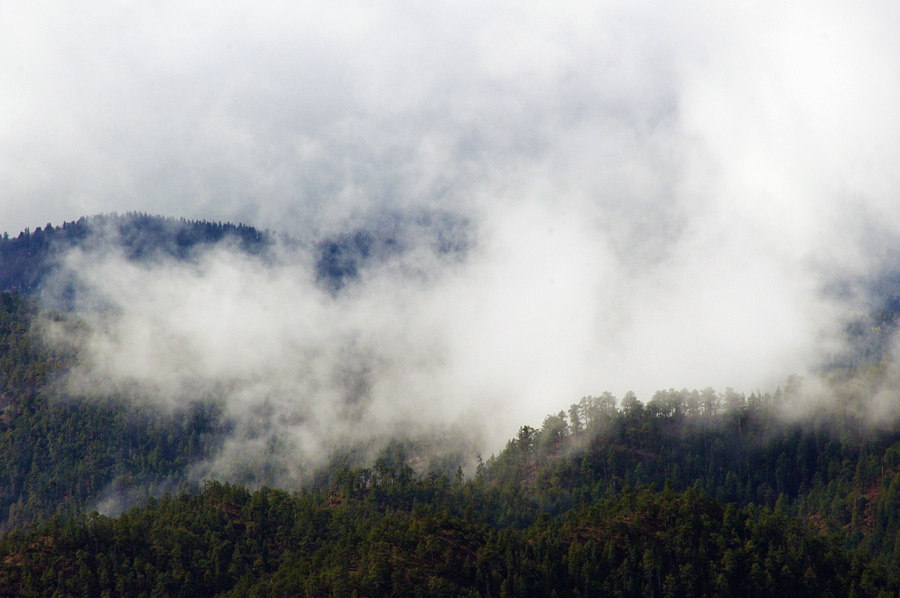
pixel 687 493
pixel 691 493
pixel 28 259
pixel 59 455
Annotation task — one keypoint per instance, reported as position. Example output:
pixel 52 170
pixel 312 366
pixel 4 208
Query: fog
pixel 659 196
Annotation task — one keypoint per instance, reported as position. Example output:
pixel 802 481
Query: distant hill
pixel 26 260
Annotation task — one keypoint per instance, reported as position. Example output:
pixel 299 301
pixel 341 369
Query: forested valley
pixel 685 493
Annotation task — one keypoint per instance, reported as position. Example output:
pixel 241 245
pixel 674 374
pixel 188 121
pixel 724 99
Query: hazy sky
pixel 661 191
pixel 642 115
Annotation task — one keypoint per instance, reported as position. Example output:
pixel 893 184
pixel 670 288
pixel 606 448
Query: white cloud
pixel 660 192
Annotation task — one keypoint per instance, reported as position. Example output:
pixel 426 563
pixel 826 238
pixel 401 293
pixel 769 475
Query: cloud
pixel 537 312
pixel 663 195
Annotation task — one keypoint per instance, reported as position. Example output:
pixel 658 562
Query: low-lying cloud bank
pixel 662 196
pixel 535 312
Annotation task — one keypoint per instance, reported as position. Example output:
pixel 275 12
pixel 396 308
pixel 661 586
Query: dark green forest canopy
pixel 227 541
pixel 59 455
pixel 691 493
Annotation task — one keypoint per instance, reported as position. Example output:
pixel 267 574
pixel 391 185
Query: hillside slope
pixel 813 503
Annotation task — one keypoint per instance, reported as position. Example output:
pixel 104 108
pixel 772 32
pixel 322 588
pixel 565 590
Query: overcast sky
pixel 780 114
pixel 663 188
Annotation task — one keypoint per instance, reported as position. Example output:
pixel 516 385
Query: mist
pixel 455 348
pixel 658 197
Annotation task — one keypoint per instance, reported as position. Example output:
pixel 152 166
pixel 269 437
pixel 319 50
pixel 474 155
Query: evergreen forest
pixel 685 493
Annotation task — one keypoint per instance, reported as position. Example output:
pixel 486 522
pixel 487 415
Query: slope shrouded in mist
pixel 431 330
pixel 656 197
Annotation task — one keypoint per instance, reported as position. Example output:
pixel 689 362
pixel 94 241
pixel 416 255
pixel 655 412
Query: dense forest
pixel 693 493
pixel 689 493
pixel 407 537
pixel 59 454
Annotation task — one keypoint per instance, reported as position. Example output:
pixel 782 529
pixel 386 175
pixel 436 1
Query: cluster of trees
pixel 59 454
pixel 28 258
pixel 831 467
pixel 341 257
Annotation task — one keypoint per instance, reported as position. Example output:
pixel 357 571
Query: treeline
pixel 831 467
pixel 28 258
